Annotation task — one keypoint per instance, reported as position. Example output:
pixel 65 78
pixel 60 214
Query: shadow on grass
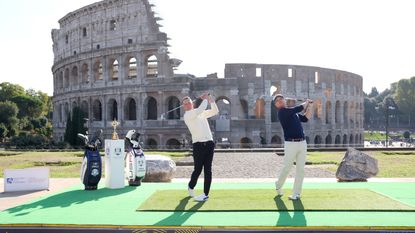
pixel 179 216
pixel 66 199
pixel 285 219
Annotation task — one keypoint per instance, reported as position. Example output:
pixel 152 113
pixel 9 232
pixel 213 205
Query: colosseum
pixel 112 60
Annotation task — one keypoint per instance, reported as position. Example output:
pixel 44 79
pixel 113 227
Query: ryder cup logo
pixel 9 180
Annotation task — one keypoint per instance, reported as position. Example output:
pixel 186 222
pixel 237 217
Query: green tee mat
pixel 117 207
pixel 266 200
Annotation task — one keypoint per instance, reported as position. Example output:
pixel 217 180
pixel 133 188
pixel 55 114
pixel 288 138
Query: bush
pixel 3 131
pixel 28 140
pixel 407 134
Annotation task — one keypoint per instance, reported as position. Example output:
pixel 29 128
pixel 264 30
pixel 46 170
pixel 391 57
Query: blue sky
pixel 372 38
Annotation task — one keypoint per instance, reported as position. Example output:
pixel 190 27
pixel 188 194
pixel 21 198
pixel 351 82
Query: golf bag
pixel 91 169
pixel 135 162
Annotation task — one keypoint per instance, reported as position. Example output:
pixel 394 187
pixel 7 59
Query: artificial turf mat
pixel 117 207
pixel 266 200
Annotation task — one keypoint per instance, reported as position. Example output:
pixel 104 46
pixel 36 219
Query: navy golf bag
pixel 135 162
pixel 91 169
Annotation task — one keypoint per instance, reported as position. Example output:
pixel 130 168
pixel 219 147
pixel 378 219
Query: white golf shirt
pixel 196 121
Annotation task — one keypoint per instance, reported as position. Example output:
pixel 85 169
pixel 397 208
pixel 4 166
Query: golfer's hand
pixel 205 96
pixel 211 99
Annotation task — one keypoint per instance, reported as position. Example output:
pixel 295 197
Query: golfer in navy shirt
pixel 295 145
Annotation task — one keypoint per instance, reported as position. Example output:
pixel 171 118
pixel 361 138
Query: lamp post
pixel 387 123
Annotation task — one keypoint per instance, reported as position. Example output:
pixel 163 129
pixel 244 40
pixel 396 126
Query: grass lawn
pixel 61 164
pixel 391 164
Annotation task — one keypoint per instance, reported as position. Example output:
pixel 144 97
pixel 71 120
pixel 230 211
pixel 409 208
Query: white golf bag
pixel 135 162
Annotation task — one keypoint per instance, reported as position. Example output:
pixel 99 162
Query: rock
pixel 356 166
pixel 159 168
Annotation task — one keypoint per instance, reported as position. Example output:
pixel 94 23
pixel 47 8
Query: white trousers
pixel 294 151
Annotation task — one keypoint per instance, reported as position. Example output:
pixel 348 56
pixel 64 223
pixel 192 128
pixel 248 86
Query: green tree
pixel 29 106
pixel 8 91
pixel 405 98
pixel 373 93
pixel 3 132
pixel 67 137
pixel 74 125
pixel 8 113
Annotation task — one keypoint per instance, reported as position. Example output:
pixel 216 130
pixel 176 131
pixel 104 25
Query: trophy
pixel 114 125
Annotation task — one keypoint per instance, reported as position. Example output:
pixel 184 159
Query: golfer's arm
pixel 211 112
pixel 202 107
pixel 296 109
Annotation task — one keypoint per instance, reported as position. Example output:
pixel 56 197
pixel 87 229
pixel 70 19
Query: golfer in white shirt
pixel 203 145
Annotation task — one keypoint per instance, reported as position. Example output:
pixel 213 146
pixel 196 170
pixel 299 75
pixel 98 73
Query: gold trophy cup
pixel 114 124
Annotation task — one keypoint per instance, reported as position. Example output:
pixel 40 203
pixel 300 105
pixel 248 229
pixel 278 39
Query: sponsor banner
pixel 26 179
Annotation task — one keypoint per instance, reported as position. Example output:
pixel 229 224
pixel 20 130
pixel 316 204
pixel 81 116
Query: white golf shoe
pixel 294 197
pixel 201 198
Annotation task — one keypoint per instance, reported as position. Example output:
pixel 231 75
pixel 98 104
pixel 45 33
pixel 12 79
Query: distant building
pixel 111 59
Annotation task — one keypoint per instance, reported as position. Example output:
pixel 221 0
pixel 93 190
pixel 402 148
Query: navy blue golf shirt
pixel 291 122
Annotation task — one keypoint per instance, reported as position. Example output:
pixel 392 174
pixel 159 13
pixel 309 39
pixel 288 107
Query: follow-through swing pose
pixel 295 145
pixel 203 145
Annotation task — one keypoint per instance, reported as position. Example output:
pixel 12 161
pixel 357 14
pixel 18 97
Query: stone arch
pixel 351 140
pixel 85 108
pixel 351 114
pixel 345 140
pixel 67 111
pixel 337 112
pixel 318 110
pixel 260 108
pixel 244 109
pixel 84 73
pixel 346 113
pixel 224 106
pixel 173 103
pixel 113 69
pixel 173 143
pixel 276 140
pixel 113 110
pixel 151 108
pixel 97 110
pixel 356 114
pixel 356 139
pixel 246 142
pixel 60 112
pixel 66 78
pixel 317 140
pixel 130 109
pixel 328 140
pixel 98 71
pixel 74 75
pixel 60 78
pixel 307 139
pixel 328 112
pixel 337 140
pixel 131 67
pixel 151 143
pixel 151 66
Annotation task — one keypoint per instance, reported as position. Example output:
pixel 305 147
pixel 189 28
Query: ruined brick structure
pixel 111 59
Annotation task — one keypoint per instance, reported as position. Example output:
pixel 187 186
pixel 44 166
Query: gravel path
pixel 250 165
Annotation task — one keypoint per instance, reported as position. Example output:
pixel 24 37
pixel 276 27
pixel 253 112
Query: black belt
pixel 203 143
pixel 294 139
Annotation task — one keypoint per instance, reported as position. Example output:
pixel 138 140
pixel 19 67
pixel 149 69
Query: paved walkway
pixel 251 165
